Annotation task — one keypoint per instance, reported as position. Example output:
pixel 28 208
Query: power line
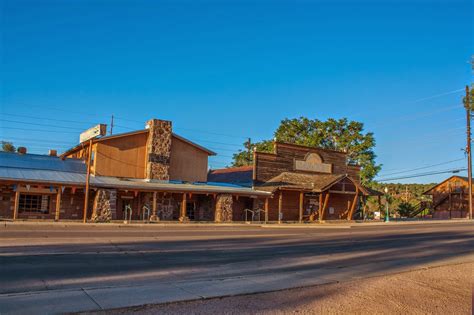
pixel 421 168
pixel 37 124
pixel 456 170
pixel 51 119
pixel 39 130
pixel 436 96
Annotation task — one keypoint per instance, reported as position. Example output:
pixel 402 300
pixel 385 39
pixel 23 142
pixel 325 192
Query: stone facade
pixel 158 149
pixel 104 205
pixel 166 206
pixel 224 207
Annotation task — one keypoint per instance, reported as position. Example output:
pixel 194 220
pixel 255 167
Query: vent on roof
pixel 22 150
pixel 53 153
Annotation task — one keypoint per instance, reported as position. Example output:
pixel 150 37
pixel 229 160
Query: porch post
pixel 17 202
pixel 183 217
pixel 320 210
pixel 58 203
pixel 154 217
pixel 354 202
pixel 266 210
pixel 326 201
pixel 301 207
pixel 280 205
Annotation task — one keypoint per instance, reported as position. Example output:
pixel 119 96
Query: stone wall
pixel 7 200
pixel 104 207
pixel 158 149
pixel 224 206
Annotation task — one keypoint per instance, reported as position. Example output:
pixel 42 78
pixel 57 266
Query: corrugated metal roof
pixel 41 162
pixel 235 175
pixel 54 171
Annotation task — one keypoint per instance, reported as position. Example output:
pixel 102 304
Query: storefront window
pixel 33 203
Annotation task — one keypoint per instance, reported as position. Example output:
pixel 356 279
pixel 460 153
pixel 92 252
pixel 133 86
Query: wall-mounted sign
pixel 96 131
pixel 313 163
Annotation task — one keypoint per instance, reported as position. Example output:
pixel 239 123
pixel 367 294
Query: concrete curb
pixel 275 225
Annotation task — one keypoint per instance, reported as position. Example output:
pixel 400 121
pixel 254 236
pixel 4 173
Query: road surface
pixel 103 267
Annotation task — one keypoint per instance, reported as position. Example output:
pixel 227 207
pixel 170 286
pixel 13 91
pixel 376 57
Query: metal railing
pixel 128 214
pixel 146 213
pixel 254 214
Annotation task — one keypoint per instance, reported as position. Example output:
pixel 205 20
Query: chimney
pixel 22 150
pixel 53 153
pixel 158 148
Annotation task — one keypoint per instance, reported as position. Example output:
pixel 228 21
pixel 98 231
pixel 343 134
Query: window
pixel 34 203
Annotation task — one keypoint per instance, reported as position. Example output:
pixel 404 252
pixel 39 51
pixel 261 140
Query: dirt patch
pixel 440 290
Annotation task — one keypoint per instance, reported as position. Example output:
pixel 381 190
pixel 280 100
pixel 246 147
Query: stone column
pixel 158 149
pixel 224 205
pixel 104 208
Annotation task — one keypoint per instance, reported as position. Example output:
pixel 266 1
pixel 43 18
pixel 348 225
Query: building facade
pixel 308 184
pixel 450 198
pixel 150 175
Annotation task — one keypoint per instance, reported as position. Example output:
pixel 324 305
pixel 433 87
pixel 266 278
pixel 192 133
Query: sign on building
pixel 96 131
pixel 313 163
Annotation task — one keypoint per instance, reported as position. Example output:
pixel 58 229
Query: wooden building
pixel 450 198
pixel 308 184
pixel 151 174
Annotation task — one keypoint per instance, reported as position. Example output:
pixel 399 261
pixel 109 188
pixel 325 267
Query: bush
pixel 405 208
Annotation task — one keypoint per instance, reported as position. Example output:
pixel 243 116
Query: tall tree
pixel 336 134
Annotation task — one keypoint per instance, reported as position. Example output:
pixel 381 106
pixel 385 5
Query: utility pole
pixel 249 150
pixel 468 148
pixel 88 176
pixel 112 125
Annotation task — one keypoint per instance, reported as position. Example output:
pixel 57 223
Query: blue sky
pixel 223 71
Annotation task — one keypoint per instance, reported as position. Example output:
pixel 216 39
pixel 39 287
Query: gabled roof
pixel 132 133
pixel 463 178
pixel 235 175
pixel 310 182
pixel 290 180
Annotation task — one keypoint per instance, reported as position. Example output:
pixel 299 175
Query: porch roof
pixel 310 182
pixel 46 170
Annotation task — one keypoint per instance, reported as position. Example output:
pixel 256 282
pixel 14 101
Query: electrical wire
pixel 457 170
pixel 421 168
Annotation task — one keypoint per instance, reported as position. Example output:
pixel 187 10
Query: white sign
pixel 96 131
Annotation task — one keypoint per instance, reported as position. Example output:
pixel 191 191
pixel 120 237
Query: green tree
pixel 342 135
pixel 8 146
pixel 405 208
pixel 243 158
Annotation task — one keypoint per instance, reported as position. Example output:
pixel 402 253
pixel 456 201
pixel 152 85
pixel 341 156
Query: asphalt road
pixel 58 257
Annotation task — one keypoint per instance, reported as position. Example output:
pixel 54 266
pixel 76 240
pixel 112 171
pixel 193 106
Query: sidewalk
pixel 104 298
pixel 139 224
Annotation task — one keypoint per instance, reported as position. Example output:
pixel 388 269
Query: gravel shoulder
pixel 439 290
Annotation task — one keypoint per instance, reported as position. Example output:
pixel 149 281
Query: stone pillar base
pixel 154 218
pixel 183 219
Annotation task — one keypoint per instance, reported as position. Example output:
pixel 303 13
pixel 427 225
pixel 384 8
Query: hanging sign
pixel 91 133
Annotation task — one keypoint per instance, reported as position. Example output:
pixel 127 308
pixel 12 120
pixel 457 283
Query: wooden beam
pixel 326 202
pixel 320 215
pixel 17 203
pixel 154 207
pixel 58 203
pixel 301 207
pixel 343 192
pixel 354 202
pixel 183 217
pixel 280 205
pixel 266 210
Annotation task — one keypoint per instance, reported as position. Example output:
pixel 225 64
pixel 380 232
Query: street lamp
pixel 387 219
